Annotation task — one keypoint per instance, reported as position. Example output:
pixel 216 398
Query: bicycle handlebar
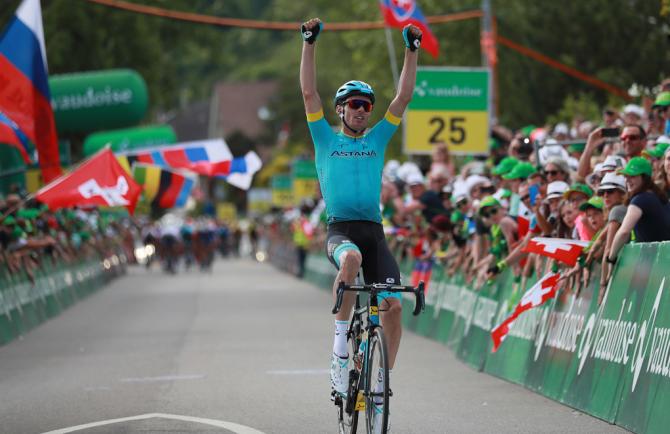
pixel 418 291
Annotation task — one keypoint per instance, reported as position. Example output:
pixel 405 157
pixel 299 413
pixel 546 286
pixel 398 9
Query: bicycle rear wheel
pixel 377 384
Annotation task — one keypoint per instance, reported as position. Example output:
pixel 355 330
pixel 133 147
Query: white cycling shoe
pixel 339 374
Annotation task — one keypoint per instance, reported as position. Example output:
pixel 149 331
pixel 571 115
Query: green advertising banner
pixel 130 138
pixel 642 345
pixel 98 100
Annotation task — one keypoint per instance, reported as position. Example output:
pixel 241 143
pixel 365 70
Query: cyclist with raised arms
pixel 349 164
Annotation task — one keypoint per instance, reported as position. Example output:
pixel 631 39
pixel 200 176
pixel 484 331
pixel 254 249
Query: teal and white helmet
pixel 353 88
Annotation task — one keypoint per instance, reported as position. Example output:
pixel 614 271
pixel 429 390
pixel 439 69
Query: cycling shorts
pixel 366 237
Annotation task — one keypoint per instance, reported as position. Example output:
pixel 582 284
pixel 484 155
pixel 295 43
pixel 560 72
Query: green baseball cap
pixel 657 151
pixel 578 187
pixel 505 165
pixel 577 147
pixel 521 170
pixel 527 130
pixel 636 166
pixel 662 100
pixel 9 221
pixel 595 202
pixel 488 201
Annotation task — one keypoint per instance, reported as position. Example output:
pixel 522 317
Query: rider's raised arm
pixel 412 37
pixel 310 30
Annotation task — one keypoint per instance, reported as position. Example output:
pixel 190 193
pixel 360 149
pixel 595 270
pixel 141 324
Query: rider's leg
pixel 349 263
pixel 391 315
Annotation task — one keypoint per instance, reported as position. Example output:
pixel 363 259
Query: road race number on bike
pixel 450 105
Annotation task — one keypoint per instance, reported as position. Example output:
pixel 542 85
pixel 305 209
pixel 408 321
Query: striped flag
pixel 204 157
pixel 242 170
pixel 25 100
pixel 163 188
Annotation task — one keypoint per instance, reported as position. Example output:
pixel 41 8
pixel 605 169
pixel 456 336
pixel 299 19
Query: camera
pixel 526 147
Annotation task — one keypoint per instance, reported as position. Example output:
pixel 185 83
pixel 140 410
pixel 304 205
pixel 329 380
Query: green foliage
pixel 581 106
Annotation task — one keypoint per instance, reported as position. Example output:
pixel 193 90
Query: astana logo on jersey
pixel 353 154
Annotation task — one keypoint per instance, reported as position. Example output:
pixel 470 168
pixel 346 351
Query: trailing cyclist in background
pixel 349 166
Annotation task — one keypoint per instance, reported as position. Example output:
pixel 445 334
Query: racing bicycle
pixel 370 359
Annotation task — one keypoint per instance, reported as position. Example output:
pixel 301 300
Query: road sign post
pixel 450 105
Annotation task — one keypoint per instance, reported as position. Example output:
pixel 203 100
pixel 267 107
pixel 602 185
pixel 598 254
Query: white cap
pixel 473 180
pixel 414 179
pixel 612 181
pixel 552 151
pixel 556 189
pixel 634 109
pixel 391 169
pixel 561 129
pixel 613 162
pixel 598 168
pixel 406 169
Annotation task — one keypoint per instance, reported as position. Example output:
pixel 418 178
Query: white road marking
pixel 299 372
pixel 236 428
pixel 161 378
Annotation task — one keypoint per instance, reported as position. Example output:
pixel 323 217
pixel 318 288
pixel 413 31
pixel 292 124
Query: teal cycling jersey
pixel 350 168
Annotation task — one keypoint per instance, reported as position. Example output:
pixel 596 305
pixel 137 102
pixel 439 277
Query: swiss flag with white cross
pixel 542 291
pixel 564 250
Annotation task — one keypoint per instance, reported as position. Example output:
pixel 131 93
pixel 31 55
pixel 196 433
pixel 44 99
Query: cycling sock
pixel 340 341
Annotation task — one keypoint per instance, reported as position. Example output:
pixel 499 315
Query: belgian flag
pixel 163 188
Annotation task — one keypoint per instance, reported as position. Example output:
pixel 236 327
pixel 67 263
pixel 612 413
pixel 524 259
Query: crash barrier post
pixel 610 360
pixel 24 304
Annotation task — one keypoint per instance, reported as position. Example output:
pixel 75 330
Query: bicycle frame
pixel 364 320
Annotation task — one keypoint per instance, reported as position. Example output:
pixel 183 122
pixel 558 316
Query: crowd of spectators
pixel 32 237
pixel 605 183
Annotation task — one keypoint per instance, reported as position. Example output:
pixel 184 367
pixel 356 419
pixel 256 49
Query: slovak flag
pixel 25 100
pixel 100 180
pixel 399 13
pixel 542 291
pixel 564 250
pixel 242 170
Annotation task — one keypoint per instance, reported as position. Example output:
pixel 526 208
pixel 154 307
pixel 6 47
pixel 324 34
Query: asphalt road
pixel 244 349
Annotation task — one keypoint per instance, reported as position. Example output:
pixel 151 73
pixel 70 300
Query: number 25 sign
pixel 450 105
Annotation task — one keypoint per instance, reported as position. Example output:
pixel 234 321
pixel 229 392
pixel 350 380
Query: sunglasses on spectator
pixel 631 137
pixel 355 104
pixel 551 172
pixel 490 212
pixel 608 191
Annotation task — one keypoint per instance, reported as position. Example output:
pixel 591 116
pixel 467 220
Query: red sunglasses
pixel 355 104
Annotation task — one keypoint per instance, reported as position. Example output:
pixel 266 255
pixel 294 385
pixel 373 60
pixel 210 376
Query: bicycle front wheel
pixel 377 384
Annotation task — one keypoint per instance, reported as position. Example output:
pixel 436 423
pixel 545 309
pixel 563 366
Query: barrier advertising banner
pixel 610 360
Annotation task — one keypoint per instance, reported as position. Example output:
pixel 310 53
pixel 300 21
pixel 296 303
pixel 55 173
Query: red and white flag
pixel 542 291
pixel 100 180
pixel 562 249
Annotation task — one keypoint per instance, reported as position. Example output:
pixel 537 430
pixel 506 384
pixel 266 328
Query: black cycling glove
pixel 310 36
pixel 412 42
